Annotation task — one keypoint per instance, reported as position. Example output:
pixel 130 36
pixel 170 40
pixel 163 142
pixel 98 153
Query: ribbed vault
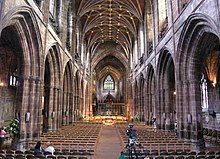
pixel 110 20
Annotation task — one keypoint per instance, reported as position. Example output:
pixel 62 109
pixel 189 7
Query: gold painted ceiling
pixel 110 20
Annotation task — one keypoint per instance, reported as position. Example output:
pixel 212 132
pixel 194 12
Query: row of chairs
pixel 80 137
pixel 155 154
pixel 160 140
pixel 29 154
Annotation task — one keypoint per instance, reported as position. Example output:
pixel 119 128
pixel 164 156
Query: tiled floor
pixel 109 145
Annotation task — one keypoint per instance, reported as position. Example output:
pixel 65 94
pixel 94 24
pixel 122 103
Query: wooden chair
pixel 61 157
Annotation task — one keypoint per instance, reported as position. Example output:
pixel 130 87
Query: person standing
pixel 122 156
pixel 2 137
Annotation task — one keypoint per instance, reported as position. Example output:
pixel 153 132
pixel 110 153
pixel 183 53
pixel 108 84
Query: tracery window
pixel 163 19
pixel 204 93
pixel 109 83
pixel 69 28
pixel 53 6
pixel 54 10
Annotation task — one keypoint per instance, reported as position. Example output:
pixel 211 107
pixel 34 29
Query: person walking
pixel 2 137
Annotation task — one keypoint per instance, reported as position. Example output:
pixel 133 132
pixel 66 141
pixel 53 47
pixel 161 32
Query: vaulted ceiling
pixel 116 21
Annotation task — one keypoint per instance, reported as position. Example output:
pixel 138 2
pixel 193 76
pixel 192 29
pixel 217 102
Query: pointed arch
pixel 151 94
pixel 201 31
pixel 166 86
pixel 20 33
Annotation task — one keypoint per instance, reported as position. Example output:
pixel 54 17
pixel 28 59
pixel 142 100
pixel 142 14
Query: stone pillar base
pixel 198 145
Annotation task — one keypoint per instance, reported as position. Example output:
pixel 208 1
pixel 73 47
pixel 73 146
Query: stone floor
pixel 109 145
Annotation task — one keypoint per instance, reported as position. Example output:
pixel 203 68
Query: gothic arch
pixel 166 87
pixel 141 96
pixel 77 95
pixel 136 101
pixel 196 26
pixel 151 94
pixel 52 90
pixel 116 54
pixel 67 102
pixel 201 31
pixel 20 33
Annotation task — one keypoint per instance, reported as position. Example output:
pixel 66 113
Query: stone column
pixel 196 127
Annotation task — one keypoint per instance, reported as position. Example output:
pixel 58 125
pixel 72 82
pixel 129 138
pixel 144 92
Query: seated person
pixel 49 150
pixel 38 149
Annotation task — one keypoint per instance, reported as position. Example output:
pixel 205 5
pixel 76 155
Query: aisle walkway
pixel 109 145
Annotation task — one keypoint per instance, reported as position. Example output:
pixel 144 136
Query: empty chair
pixel 172 152
pixel 83 157
pixel 201 153
pixel 40 156
pixel 2 151
pixel 210 156
pixel 58 153
pixel 10 152
pixel 200 156
pixel 180 157
pixel 29 152
pixel 61 157
pixel 72 157
pixel 30 156
pixel 191 153
pixel 10 156
pixel 51 157
pixel 19 152
pixel 190 157
pixel 164 153
pixel 210 153
pixel 2 155
pixel 20 156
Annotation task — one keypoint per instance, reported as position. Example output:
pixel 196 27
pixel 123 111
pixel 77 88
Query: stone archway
pixel 151 93
pixel 166 85
pixel 141 96
pixel 67 102
pixel 194 62
pixel 22 45
pixel 77 96
pixel 52 119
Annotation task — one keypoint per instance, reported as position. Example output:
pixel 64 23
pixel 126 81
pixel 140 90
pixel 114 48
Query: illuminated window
pixel 204 93
pixel 163 19
pixel 109 83
pixel 53 7
pixel 13 80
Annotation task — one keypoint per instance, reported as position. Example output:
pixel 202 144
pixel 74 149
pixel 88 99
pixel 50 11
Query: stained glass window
pixel 109 83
